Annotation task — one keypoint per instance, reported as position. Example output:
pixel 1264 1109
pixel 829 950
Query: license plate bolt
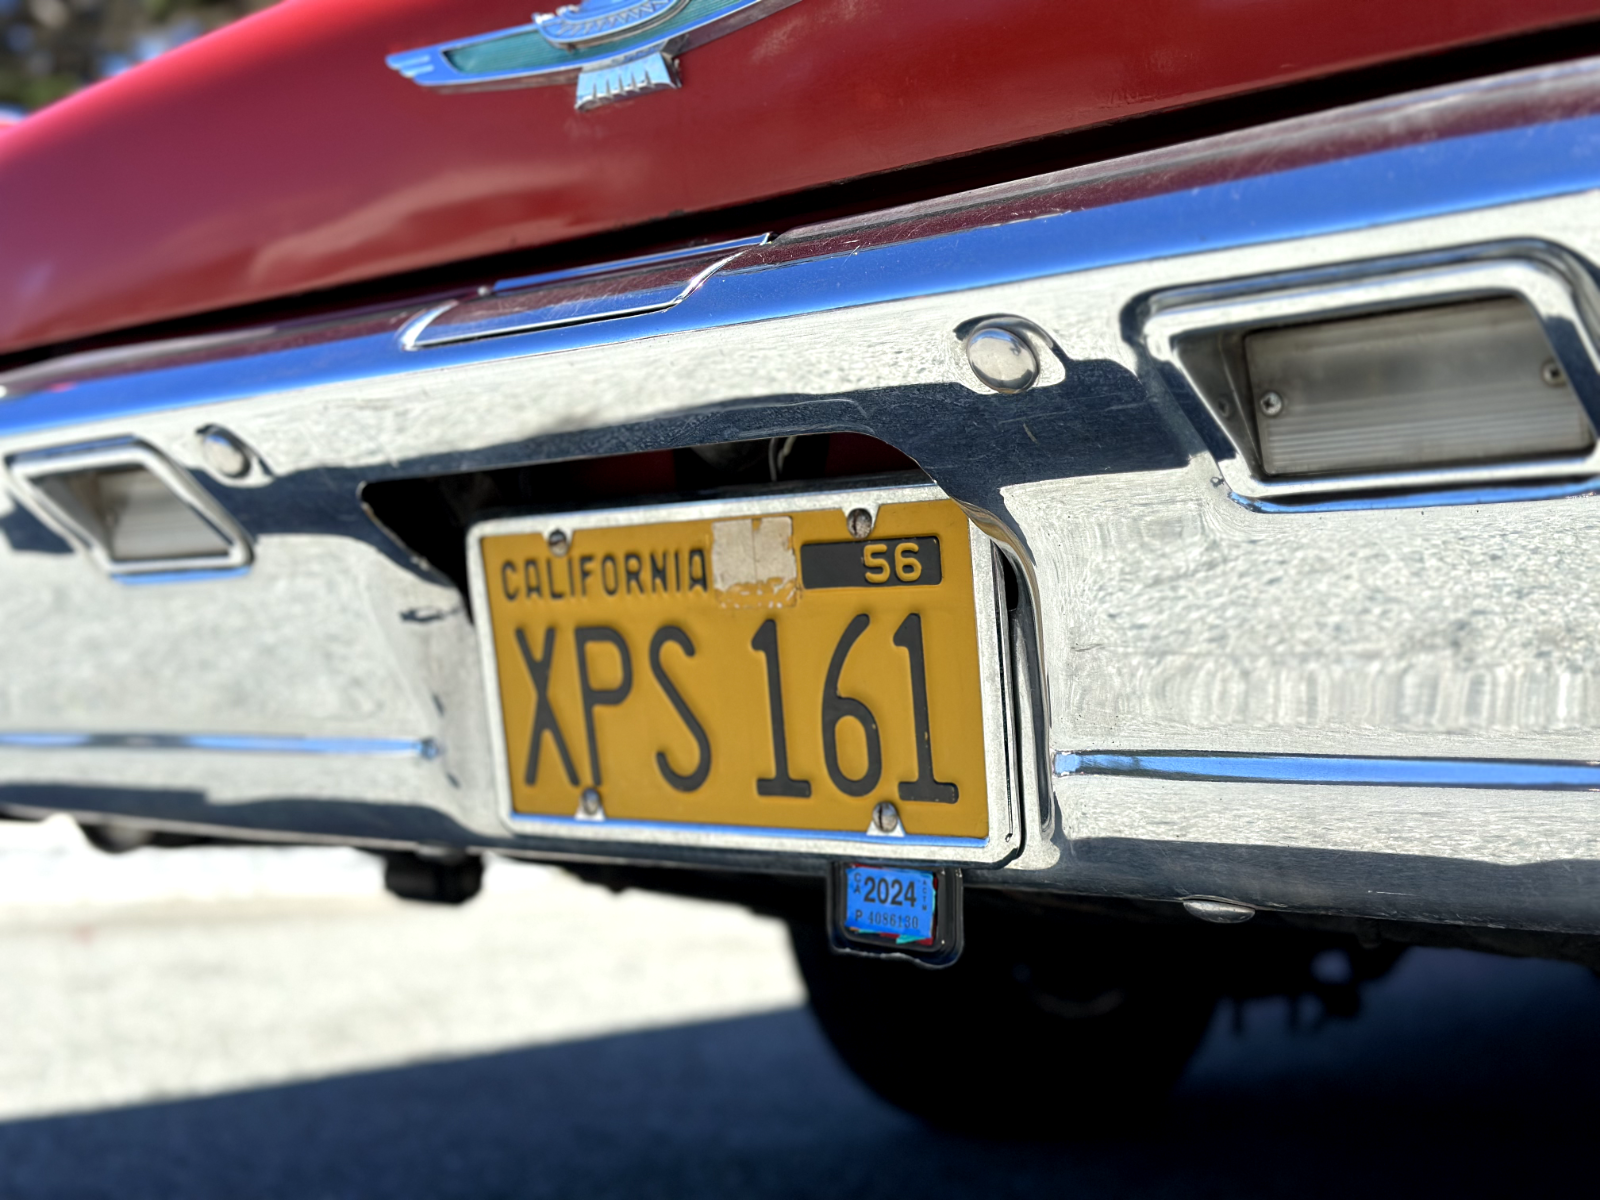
pixel 590 806
pixel 1002 358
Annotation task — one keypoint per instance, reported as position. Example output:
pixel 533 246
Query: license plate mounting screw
pixel 589 806
pixel 860 523
pixel 557 541
pixel 1218 912
pixel 885 817
pixel 1002 358
pixel 224 453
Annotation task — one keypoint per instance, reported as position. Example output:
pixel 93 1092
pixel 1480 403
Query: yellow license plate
pixel 767 671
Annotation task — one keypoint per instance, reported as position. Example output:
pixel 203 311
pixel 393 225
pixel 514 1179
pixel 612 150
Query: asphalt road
pixel 248 1024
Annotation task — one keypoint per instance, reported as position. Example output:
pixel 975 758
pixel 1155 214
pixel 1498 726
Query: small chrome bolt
pixel 1218 912
pixel 885 817
pixel 224 453
pixel 859 522
pixel 1270 404
pixel 558 547
pixel 1002 359
pixel 1552 373
pixel 589 800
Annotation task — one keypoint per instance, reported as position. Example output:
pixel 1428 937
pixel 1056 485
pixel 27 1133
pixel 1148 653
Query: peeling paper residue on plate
pixel 752 562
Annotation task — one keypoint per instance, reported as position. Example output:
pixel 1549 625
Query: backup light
pixel 1463 383
pixel 134 511
pixel 1375 376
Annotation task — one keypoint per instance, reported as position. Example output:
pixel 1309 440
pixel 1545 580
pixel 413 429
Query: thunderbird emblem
pixel 615 49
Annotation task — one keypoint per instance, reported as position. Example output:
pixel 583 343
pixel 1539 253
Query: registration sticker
pixel 889 902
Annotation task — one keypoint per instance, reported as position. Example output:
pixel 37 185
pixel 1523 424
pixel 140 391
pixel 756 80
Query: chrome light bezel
pixel 27 471
pixel 1538 276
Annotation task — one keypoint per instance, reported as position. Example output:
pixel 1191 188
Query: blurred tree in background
pixel 49 48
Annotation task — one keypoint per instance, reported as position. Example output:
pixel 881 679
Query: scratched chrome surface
pixel 1163 614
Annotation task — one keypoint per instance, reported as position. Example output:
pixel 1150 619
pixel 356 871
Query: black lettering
pixel 585 569
pixel 836 708
pixel 544 718
pixel 697 556
pixel 631 565
pixel 658 571
pixel 924 787
pixel 593 697
pixel 781 783
pixel 550 574
pixel 608 574
pixel 677 569
pixel 508 583
pixel 530 577
pixel 572 589
pixel 692 781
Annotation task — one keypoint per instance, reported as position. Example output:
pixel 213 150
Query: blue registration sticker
pixel 886 902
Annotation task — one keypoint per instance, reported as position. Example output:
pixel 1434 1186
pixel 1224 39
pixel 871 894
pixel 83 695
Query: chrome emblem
pixel 594 21
pixel 615 49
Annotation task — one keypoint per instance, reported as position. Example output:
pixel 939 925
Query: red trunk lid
pixel 283 155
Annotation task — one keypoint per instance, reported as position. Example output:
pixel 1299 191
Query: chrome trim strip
pixel 518 282
pixel 1326 769
pixel 514 305
pixel 160 578
pixel 231 743
pixel 815 841
pixel 1385 497
pixel 408 334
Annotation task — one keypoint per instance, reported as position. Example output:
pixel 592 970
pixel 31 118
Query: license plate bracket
pixel 913 679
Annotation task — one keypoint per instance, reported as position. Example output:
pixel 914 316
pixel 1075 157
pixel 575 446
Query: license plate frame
pixel 1002 837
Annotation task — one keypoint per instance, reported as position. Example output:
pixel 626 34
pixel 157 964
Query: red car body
pixel 282 156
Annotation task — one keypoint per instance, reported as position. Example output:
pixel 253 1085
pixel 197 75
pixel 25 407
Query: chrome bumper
pixel 1386 708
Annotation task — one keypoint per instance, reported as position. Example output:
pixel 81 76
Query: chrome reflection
pixel 624 288
pixel 230 743
pixel 1337 769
